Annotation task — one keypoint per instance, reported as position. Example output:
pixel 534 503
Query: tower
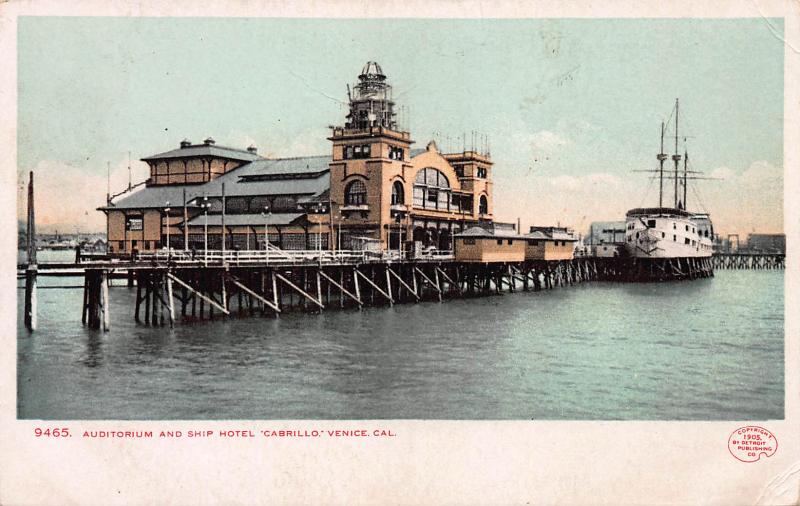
pixel 369 193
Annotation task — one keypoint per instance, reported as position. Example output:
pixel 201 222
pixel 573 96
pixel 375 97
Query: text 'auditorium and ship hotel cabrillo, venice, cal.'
pixel 373 190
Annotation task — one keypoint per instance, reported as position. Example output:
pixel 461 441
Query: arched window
pixel 432 177
pixel 432 190
pixel 483 207
pixel 356 193
pixel 398 194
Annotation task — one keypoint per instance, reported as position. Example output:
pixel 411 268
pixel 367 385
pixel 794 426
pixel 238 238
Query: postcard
pixel 400 253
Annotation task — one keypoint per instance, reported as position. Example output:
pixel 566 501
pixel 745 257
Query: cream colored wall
pixel 547 250
pixel 190 170
pixel 487 250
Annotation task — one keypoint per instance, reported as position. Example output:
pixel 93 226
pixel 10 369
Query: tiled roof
pixel 482 232
pixel 234 186
pixel 207 150
pixel 232 220
pixel 156 197
pixel 277 166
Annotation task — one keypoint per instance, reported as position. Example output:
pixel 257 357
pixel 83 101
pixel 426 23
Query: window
pixel 686 241
pixel 663 235
pixel 356 193
pixel 499 242
pixel 431 189
pixel 483 206
pixel 687 227
pixel 455 202
pixel 675 237
pixel 674 226
pixel 133 243
pixel 121 245
pixel 361 151
pixel 510 242
pixel 419 196
pixel 469 240
pixel 460 171
pixel 481 172
pixel 398 194
pixel 395 153
pixel 651 223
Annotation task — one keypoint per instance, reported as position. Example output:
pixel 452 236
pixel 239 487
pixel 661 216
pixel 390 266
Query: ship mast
pixel 685 163
pixel 676 157
pixel 661 157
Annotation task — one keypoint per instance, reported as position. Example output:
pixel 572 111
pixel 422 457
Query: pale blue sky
pixel 571 106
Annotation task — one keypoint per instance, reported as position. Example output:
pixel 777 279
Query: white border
pixel 429 462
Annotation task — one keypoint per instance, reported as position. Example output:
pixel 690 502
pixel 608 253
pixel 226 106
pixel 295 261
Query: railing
pixel 278 256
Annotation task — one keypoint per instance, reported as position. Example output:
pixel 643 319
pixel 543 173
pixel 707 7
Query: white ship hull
pixel 668 233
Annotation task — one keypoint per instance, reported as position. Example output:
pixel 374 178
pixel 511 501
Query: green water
pixel 702 350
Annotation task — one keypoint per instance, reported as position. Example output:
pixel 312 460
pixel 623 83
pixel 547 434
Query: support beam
pixel 254 294
pixel 376 287
pixel 106 309
pixel 400 280
pixel 341 288
pixel 449 280
pixel 299 290
pixel 171 302
pixel 203 297
pixel 430 282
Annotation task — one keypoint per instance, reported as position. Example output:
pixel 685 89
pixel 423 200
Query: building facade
pixel 373 187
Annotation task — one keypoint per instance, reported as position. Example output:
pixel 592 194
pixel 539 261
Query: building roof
pixel 206 150
pixel 255 220
pixel 156 197
pixel 237 185
pixel 482 233
pixel 284 166
pixel 313 182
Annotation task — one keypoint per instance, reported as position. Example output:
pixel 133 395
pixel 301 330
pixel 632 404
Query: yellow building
pixel 549 243
pixel 373 187
pixel 479 245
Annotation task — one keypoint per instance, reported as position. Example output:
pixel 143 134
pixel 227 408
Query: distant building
pixel 766 243
pixel 605 238
pixel 373 188
pixel 605 232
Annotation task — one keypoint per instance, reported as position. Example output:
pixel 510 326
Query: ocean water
pixel 703 350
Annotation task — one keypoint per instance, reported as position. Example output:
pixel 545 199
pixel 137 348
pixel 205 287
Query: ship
pixel 670 241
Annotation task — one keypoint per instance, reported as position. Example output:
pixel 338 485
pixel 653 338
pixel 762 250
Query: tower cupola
pixel 371 103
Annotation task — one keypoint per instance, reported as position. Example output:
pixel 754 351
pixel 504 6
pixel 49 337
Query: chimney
pixel 252 148
pixel 185 143
pixel 209 141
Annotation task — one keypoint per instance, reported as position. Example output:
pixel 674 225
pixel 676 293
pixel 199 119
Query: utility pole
pixel 32 270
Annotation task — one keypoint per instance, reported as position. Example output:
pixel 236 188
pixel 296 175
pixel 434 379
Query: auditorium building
pixel 374 189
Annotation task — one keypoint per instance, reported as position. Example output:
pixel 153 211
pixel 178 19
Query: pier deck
pixel 185 286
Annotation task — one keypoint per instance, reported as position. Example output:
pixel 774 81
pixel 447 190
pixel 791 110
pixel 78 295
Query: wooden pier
pixel 749 261
pixel 170 292
pixel 178 286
